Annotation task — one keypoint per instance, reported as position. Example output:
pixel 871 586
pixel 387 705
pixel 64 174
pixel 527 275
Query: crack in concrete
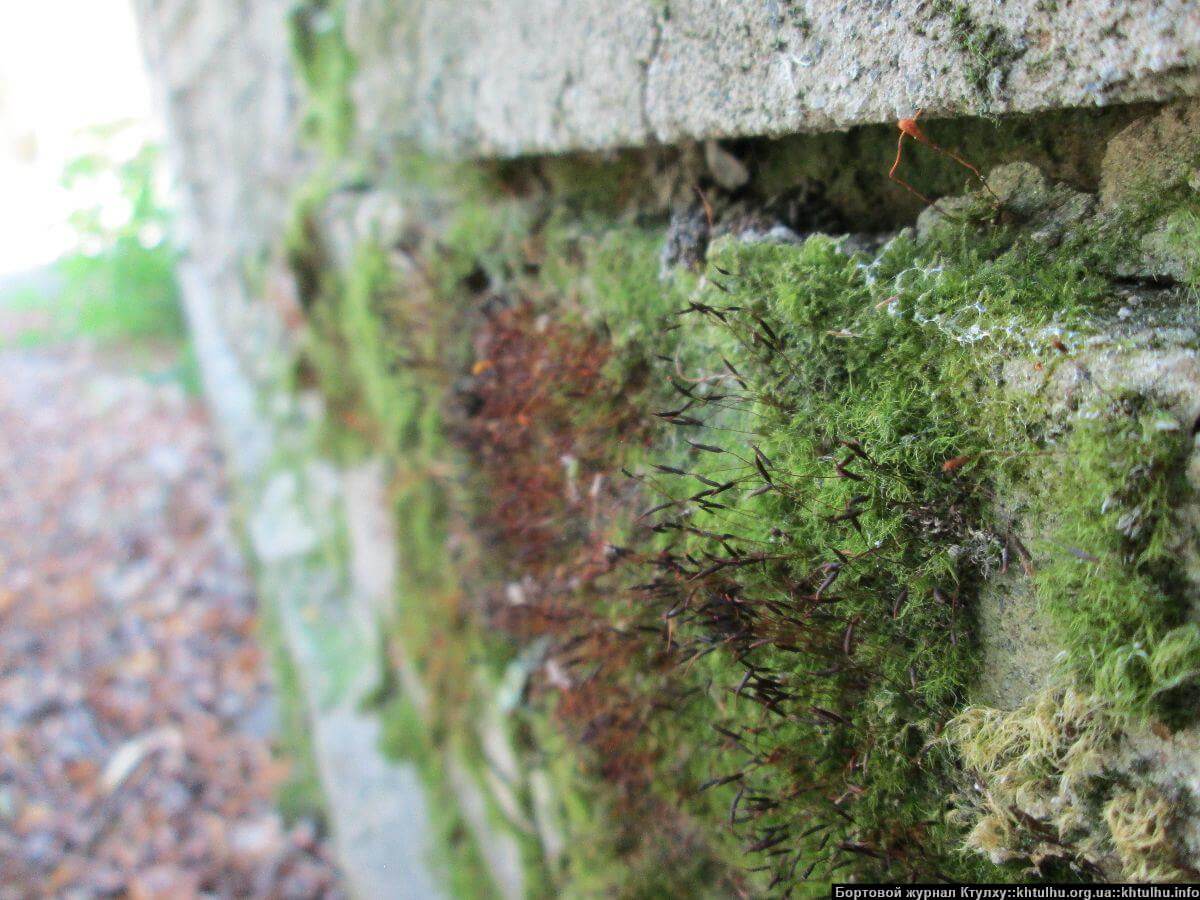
pixel 656 38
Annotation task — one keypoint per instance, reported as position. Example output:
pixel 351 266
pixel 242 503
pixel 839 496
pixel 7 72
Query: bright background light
pixel 65 66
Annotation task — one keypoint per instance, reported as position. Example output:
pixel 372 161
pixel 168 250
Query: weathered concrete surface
pixel 323 539
pixel 377 808
pixel 371 534
pixel 553 75
pixel 223 76
pixel 226 88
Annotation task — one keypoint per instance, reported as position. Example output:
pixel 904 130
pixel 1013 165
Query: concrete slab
pixel 538 76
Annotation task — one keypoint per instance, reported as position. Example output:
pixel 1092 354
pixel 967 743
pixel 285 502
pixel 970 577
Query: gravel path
pixel 135 705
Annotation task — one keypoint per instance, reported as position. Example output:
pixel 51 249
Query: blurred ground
pixel 136 713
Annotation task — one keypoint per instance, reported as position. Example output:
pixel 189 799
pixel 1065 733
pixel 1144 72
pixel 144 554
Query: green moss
pixel 1182 240
pixel 900 357
pixel 1045 777
pixel 601 856
pixel 873 356
pixel 987 50
pixel 379 363
pixel 302 247
pixel 326 67
pixel 344 435
pixel 1112 579
pixel 610 275
pixel 1044 762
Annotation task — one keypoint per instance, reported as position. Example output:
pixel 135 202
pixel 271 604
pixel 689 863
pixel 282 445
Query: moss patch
pixel 1111 578
pixel 770 617
pixel 987 50
pixel 326 66
pixel 1045 792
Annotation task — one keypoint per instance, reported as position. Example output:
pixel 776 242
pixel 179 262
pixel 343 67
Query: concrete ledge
pixel 537 76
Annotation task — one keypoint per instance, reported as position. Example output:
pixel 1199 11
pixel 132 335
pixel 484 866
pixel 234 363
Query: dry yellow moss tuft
pixel 1046 789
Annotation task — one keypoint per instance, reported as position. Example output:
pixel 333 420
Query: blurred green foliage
pixel 120 281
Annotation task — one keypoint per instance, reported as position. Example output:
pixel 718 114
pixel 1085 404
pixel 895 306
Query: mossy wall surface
pixel 710 500
pixel 757 522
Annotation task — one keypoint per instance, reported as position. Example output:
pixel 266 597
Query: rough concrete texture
pixel 1149 349
pixel 226 89
pixel 1175 165
pixel 371 528
pixel 1161 150
pixel 554 75
pixel 377 808
pixel 223 76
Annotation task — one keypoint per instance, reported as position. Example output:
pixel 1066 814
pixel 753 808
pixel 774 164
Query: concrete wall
pixel 253 148
pixel 555 75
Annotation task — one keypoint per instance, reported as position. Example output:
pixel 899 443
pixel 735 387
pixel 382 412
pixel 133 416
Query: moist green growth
pixel 898 356
pixel 1111 578
pixel 1044 790
pixel 859 395
pixel 345 434
pixel 861 401
pixel 987 50
pixel 838 454
pixel 326 65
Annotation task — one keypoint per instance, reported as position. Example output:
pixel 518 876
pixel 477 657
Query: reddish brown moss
pixel 548 428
